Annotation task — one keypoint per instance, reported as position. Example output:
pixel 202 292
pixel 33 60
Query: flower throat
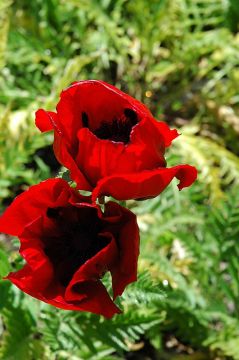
pixel 117 130
pixel 77 241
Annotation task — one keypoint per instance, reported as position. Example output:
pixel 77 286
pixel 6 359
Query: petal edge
pixel 146 184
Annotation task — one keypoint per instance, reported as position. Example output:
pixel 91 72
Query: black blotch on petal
pixel 52 213
pixel 118 130
pixel 131 114
pixel 85 120
pixel 75 241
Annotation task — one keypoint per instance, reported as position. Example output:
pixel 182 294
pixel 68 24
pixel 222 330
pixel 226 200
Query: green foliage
pixel 18 142
pixel 20 341
pixel 190 289
pixel 199 261
pixel 218 167
pixel 4 263
pixel 32 332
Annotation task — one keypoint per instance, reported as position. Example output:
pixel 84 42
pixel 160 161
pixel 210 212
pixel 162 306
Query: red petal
pixel 101 102
pixel 37 280
pixel 32 203
pixel 38 273
pixel 85 287
pixel 168 134
pixel 66 159
pixel 55 296
pixel 124 270
pixel 45 120
pixel 28 280
pixel 100 158
pixel 154 133
pixel 95 267
pixel 144 184
pixel 100 87
pixel 92 296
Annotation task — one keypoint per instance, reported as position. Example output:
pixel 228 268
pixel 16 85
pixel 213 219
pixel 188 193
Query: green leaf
pixel 4 264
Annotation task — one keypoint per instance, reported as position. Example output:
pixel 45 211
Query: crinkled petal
pixel 99 100
pixel 37 279
pixel 38 273
pixel 93 297
pixel 85 287
pixel 145 184
pixel 45 120
pixel 155 133
pixel 120 257
pixel 100 158
pixel 168 134
pixel 95 267
pixel 104 90
pixel 66 159
pixel 124 270
pixel 33 202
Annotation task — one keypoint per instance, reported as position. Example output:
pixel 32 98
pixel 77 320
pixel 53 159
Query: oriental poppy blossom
pixel 111 143
pixel 68 244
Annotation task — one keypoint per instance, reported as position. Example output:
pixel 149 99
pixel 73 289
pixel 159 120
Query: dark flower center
pixel 117 130
pixel 75 240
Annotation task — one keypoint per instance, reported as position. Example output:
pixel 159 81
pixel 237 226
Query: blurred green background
pixel 181 58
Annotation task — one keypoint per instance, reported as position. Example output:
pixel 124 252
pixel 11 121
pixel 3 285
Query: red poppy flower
pixel 111 143
pixel 69 244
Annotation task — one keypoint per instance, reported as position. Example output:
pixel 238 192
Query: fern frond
pixel 20 340
pixel 218 167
